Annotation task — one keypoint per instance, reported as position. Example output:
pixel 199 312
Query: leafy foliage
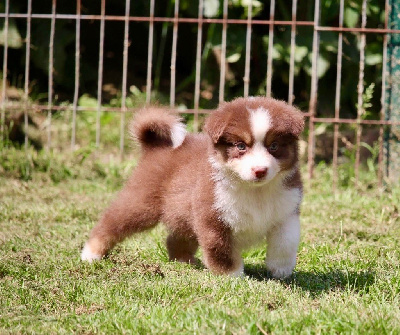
pixel 211 46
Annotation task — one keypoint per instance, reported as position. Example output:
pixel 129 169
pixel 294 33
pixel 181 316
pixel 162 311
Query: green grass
pixel 347 279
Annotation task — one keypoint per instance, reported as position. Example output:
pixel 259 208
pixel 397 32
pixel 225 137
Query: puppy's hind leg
pixel 182 249
pixel 128 214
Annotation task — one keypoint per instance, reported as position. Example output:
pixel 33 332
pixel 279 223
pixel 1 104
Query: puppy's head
pixel 255 139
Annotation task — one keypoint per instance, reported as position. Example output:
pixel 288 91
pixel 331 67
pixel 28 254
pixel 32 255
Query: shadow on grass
pixel 318 282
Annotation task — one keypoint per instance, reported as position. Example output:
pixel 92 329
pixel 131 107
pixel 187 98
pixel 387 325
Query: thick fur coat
pixel 235 185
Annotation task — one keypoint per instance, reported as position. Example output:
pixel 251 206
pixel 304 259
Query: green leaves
pixel 211 8
pixel 14 39
pixel 351 16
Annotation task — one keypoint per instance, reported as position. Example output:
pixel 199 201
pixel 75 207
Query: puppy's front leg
pixel 220 254
pixel 283 241
pixel 221 261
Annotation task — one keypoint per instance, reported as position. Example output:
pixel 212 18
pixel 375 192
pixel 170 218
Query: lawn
pixel 347 279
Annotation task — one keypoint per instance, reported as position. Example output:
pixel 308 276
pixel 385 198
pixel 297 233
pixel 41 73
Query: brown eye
pixel 241 146
pixel 274 146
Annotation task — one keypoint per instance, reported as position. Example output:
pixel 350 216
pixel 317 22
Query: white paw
pixel 88 255
pixel 239 273
pixel 280 272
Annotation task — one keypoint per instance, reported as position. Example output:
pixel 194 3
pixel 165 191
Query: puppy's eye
pixel 274 146
pixel 241 146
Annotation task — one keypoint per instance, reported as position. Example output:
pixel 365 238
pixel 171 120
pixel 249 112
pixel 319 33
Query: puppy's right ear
pixel 215 125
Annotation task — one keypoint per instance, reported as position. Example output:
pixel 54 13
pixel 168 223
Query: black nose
pixel 260 171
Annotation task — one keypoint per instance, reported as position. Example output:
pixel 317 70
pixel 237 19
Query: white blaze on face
pixel 257 156
pixel 260 122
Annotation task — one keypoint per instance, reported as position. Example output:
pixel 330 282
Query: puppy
pixel 235 185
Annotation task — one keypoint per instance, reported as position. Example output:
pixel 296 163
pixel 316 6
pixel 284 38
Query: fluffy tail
pixel 157 127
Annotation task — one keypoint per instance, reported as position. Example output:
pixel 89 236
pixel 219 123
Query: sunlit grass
pixel 347 279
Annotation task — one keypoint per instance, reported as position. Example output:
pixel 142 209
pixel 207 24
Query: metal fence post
pixel 392 103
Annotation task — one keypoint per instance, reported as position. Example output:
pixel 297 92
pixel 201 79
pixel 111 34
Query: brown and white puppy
pixel 233 186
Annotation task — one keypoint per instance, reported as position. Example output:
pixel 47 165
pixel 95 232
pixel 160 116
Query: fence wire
pixel 198 23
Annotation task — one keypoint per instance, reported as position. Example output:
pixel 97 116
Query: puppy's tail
pixel 156 127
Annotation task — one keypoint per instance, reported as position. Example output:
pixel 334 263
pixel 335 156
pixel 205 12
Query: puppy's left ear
pixel 215 125
pixel 297 122
pixel 291 120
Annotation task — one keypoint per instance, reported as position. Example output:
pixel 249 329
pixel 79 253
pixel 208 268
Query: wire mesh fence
pixel 151 38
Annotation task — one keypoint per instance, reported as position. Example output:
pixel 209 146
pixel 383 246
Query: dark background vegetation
pixel 64 57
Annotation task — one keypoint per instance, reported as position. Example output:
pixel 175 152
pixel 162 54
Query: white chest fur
pixel 251 211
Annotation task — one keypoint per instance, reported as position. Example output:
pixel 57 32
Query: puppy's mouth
pixel 259 181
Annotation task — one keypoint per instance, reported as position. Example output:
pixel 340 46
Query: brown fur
pixel 232 117
pixel 230 124
pixel 175 186
pixel 152 127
